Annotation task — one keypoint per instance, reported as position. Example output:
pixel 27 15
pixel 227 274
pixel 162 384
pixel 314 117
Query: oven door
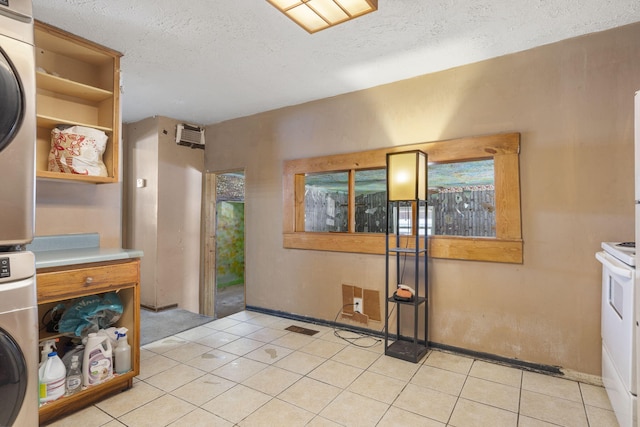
pixel 617 321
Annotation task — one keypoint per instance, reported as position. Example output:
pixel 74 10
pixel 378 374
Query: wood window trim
pixel 505 247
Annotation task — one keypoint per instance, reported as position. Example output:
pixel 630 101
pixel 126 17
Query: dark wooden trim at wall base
pixel 536 367
pixel 315 321
pixel 158 309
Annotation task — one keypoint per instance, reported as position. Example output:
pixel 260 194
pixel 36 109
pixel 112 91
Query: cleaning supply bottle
pixel 97 366
pixel 78 350
pixel 74 377
pixel 47 347
pixel 51 375
pixel 122 352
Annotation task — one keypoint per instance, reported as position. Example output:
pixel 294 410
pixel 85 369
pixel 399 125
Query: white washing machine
pixel 18 340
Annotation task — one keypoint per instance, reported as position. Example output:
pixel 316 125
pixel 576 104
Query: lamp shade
pixel 407 176
pixel 316 15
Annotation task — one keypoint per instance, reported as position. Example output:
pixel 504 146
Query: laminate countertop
pixel 71 249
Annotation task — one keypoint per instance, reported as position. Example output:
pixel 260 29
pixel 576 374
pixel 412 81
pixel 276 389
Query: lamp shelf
pixel 417 301
pixel 408 251
pixel 406 350
pixel 406 190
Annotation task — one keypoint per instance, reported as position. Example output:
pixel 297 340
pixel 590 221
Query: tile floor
pixel 247 370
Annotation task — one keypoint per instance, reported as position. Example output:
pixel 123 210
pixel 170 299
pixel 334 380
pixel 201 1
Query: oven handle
pixel 609 263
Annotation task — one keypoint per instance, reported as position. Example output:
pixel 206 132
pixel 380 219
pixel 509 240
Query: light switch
pixel 141 182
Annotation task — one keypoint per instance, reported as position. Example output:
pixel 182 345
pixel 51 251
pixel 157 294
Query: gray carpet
pixel 157 325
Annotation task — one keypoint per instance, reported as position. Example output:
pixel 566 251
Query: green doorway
pixel 230 262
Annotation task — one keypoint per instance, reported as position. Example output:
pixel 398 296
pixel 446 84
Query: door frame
pixel 208 245
pixel 208 241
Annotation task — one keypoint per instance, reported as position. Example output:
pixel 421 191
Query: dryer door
pixel 13 379
pixel 11 101
pixel 17 141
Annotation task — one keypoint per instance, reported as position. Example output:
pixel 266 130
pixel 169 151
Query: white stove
pixel 618 331
pixel 624 251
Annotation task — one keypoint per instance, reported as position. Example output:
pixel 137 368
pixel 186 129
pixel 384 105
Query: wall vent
pixel 190 136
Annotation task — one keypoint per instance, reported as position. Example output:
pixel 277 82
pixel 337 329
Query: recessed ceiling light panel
pixel 316 15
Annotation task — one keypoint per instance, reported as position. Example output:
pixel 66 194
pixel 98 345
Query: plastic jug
pixel 52 375
pixel 122 352
pixel 97 366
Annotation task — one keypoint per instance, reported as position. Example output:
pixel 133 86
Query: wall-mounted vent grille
pixel 190 136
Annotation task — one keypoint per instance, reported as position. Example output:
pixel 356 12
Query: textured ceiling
pixel 205 61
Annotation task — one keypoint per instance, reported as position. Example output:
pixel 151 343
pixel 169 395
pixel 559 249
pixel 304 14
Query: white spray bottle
pixel 122 352
pixel 48 346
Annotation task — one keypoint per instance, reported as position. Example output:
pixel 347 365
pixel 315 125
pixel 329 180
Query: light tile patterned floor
pixel 247 370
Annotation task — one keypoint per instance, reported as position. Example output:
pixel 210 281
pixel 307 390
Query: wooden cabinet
pixel 78 83
pixel 65 284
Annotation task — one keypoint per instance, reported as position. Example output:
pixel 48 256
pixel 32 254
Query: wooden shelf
pixel 44 336
pixel 51 122
pixel 70 88
pixel 58 408
pixel 78 84
pixel 42 174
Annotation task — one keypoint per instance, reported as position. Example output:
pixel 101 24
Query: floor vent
pixel 301 330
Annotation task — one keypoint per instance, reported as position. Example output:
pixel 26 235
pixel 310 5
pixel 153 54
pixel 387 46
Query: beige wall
pixel 69 207
pixel 141 206
pixel 571 101
pixel 163 218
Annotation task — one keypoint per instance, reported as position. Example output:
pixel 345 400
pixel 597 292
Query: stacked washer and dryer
pixel 18 305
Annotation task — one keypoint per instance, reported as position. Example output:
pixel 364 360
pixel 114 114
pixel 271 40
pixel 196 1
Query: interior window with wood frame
pixel 338 203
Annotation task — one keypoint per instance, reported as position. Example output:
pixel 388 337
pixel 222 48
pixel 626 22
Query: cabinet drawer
pixel 75 281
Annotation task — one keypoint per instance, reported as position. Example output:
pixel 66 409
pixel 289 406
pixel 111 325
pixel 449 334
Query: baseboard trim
pixel 528 366
pixel 157 309
pixel 517 363
pixel 315 321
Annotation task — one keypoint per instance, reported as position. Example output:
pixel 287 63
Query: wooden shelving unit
pixel 63 285
pixel 78 83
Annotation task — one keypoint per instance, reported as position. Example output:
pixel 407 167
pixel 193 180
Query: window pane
pixel 326 202
pixel 462 199
pixel 371 200
pixel 405 218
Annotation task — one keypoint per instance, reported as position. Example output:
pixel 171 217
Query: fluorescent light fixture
pixel 316 15
pixel 407 176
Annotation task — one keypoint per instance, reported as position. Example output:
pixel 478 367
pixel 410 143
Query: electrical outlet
pixel 357 305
